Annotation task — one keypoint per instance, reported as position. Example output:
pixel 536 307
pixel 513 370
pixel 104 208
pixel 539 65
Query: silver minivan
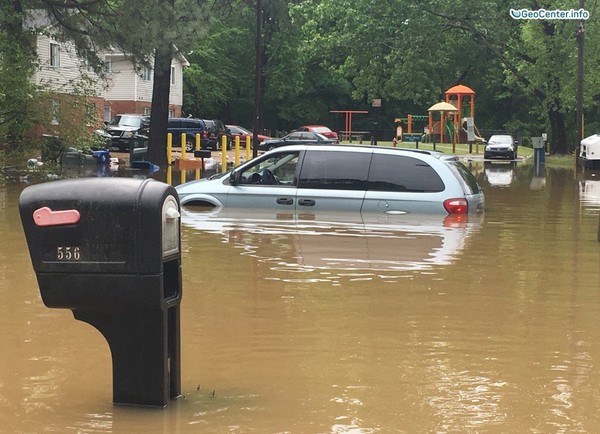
pixel 314 178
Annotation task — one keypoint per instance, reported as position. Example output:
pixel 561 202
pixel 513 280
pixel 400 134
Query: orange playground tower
pixel 463 98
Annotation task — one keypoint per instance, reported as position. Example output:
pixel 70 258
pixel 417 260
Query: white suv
pixel 307 178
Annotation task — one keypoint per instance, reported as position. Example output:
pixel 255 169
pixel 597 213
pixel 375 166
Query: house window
pixel 171 113
pixel 106 114
pixel 88 67
pixel 54 112
pixel 108 66
pixel 54 54
pixel 172 75
pixel 146 73
pixel 147 111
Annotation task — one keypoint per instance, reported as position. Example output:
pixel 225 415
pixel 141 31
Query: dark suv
pixel 215 130
pixel 191 127
pixel 128 130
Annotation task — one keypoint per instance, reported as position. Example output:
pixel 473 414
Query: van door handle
pixel 285 200
pixel 306 202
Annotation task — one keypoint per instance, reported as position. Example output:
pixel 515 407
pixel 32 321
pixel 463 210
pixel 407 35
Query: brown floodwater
pixel 336 324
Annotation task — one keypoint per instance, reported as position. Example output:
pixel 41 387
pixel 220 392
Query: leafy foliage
pixel 321 55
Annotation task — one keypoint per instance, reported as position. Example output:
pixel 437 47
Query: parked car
pixel 128 130
pixel 321 129
pixel 501 146
pixel 216 129
pixel 242 133
pixel 296 138
pixel 191 127
pixel 367 179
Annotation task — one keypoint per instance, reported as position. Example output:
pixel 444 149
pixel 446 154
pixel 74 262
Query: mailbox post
pixel 109 250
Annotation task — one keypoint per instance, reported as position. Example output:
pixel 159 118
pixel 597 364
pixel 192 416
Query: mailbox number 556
pixel 68 253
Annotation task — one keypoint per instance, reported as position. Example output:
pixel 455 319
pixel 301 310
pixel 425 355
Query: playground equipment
pixel 463 98
pixel 347 133
pixel 410 120
pixel 456 120
pixel 444 109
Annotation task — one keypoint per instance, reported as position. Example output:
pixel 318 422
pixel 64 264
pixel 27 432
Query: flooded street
pixel 336 324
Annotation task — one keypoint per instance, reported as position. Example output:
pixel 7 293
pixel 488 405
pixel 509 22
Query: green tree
pixel 537 57
pixel 17 64
pixel 147 31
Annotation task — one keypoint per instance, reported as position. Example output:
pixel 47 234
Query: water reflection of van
pixel 500 174
pixel 339 240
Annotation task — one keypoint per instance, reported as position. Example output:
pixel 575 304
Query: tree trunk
pixel 559 134
pixel 157 143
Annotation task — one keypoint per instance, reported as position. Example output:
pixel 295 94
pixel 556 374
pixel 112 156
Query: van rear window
pixel 465 177
pixel 401 173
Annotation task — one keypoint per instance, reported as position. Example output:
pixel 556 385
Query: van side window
pixel 400 173
pixel 279 169
pixel 335 170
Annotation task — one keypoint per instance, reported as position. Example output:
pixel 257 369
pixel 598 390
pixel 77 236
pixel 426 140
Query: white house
pixel 125 90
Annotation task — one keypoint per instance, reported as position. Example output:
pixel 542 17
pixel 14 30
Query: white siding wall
pixel 122 80
pixel 66 77
pixel 123 83
pixel 176 95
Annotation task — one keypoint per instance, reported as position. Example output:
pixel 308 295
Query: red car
pixel 321 130
pixel 242 133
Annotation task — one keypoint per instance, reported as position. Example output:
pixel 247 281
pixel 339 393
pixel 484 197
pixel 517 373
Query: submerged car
pixel 321 129
pixel 311 178
pixel 501 146
pixel 297 138
pixel 128 130
pixel 215 131
pixel 242 133
pixel 191 127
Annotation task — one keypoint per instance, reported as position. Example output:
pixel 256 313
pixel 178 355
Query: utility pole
pixel 580 45
pixel 257 80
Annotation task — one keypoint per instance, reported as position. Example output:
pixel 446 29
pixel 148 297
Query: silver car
pixel 313 178
pixel 501 146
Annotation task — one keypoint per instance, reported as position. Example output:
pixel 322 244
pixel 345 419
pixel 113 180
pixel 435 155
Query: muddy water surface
pixel 331 324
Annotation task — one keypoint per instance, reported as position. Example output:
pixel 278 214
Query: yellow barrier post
pixel 198 170
pixel 223 154
pixel 248 148
pixel 237 151
pixel 169 175
pixel 169 148
pixel 183 143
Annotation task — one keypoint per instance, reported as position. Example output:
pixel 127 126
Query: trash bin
pixel 109 250
pixel 102 157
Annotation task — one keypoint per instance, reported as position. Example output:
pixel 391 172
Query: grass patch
pixel 567 161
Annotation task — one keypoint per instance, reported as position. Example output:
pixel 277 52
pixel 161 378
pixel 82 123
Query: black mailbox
pixel 109 249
